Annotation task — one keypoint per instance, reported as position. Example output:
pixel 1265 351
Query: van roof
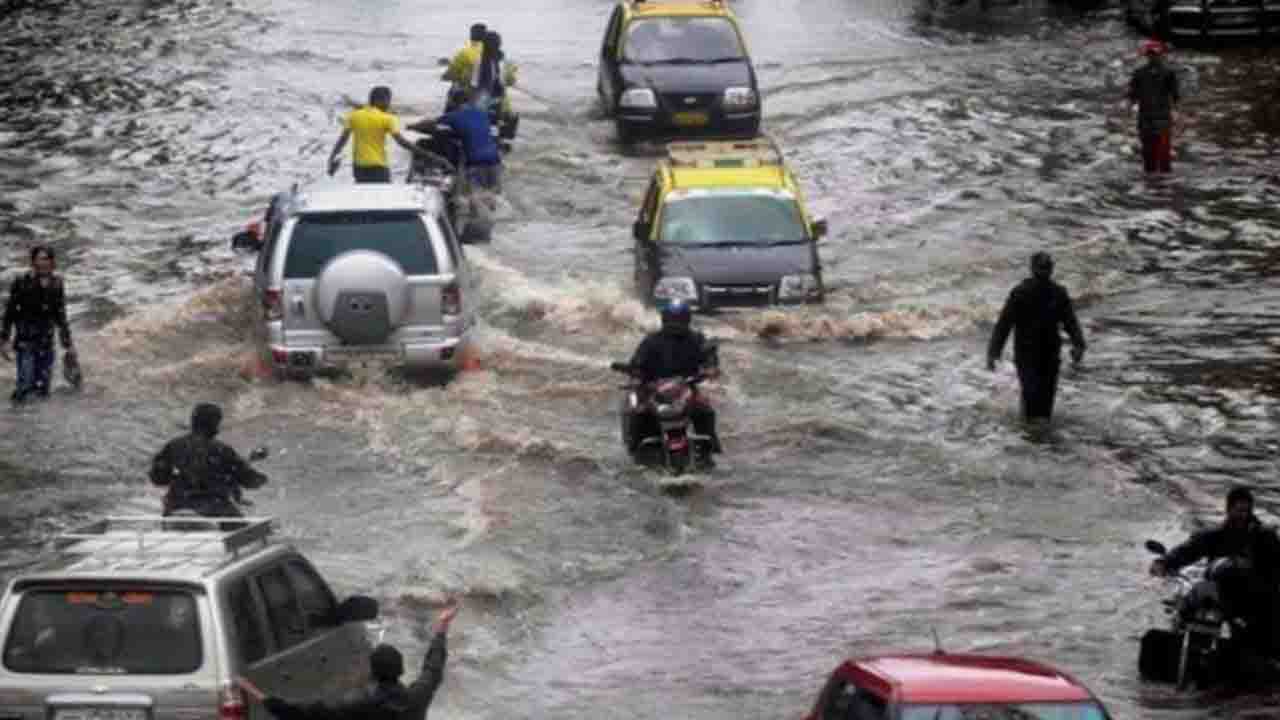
pixel 141 549
pixel 366 197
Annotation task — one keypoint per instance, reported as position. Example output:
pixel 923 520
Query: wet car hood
pixel 736 265
pixel 688 78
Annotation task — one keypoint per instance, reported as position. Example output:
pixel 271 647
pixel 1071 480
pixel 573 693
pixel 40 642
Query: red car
pixel 946 686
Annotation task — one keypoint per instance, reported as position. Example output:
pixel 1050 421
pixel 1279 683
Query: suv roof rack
pixel 760 152
pixel 149 536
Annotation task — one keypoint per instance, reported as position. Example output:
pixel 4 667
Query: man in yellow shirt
pixel 370 125
pixel 462 67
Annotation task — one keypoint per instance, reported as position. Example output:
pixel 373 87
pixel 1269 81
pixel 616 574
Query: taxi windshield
pixel 682 40
pixel 1012 711
pixel 739 219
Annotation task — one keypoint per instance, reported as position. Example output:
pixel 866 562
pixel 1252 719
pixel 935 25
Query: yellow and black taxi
pixel 724 225
pixel 676 68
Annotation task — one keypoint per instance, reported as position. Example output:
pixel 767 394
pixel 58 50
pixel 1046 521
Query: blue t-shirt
pixel 472 125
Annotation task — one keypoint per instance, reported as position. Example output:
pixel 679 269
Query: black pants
pixel 371 174
pixel 1039 382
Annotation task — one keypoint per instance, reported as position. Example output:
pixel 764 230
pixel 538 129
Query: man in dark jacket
pixel 37 307
pixel 1153 89
pixel 385 698
pixel 677 350
pixel 1035 311
pixel 1255 550
pixel 202 473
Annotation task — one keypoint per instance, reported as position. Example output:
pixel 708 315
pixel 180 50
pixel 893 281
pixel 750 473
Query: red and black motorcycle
pixel 657 428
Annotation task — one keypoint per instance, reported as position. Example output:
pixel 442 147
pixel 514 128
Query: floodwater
pixel 878 484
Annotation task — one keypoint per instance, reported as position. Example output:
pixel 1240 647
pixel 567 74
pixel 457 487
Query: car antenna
pixel 937 643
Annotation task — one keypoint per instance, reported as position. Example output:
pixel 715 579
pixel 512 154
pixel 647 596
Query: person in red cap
pixel 1153 89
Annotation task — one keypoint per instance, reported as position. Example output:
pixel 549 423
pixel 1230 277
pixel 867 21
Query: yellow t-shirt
pixel 369 128
pixel 464 63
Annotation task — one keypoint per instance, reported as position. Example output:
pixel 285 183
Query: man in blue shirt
pixel 471 123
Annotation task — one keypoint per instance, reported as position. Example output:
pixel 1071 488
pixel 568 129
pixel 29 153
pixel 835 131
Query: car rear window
pixel 106 632
pixel 319 238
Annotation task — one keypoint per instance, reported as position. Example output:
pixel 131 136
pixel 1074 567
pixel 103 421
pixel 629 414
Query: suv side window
pixel 314 596
pixel 288 625
pixel 450 241
pixel 251 640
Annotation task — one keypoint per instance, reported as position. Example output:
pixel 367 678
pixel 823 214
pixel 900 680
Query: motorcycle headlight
pixel 798 286
pixel 667 410
pixel 739 98
pixel 639 99
pixel 675 288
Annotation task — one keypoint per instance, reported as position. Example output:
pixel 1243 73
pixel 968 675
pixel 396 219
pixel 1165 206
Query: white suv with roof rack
pixel 132 621
pixel 351 273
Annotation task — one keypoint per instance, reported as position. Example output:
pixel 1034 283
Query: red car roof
pixel 958 678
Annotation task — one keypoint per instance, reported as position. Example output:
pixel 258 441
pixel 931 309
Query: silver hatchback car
pixel 359 272
pixel 131 620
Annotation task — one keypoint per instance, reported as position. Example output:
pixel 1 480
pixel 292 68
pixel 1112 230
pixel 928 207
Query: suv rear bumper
pixel 436 354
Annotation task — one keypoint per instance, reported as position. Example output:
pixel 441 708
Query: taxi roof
pixel 754 163
pixel 641 8
pixel 762 177
pixel 963 678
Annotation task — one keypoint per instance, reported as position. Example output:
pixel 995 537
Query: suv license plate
pixel 358 354
pixel 690 119
pixel 100 714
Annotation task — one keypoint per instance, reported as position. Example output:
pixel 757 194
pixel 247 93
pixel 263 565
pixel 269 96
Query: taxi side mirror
pixel 640 230
pixel 818 228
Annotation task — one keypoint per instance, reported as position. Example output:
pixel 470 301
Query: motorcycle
pixel 444 166
pixel 504 125
pixel 1202 646
pixel 212 506
pixel 665 407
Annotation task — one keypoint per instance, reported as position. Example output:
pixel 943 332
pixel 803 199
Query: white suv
pixel 358 272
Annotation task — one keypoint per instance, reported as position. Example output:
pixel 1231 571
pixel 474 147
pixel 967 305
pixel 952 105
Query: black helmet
pixel 676 313
pixel 206 418
pixel 386 663
pixel 1041 264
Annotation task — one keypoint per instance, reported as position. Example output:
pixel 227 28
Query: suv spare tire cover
pixel 362 296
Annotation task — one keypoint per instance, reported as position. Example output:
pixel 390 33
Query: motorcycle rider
pixel 676 350
pixel 471 125
pixel 1250 593
pixel 386 698
pixel 202 473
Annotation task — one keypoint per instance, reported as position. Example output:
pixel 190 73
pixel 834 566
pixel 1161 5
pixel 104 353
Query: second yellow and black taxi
pixel 673 68
pixel 724 224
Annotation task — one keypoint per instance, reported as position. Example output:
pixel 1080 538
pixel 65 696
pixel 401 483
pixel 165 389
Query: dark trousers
pixel 35 367
pixel 1039 387
pixel 1157 151
pixel 371 174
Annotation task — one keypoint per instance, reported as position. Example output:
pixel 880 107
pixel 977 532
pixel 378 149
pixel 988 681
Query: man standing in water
pixel 463 66
pixel 386 698
pixel 1154 91
pixel 37 306
pixel 1035 310
pixel 370 125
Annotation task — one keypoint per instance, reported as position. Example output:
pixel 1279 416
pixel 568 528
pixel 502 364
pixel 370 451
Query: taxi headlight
pixel 639 99
pixel 798 286
pixel 739 98
pixel 675 288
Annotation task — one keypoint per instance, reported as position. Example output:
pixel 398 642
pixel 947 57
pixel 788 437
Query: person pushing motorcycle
pixel 202 473
pixel 1251 591
pixel 677 350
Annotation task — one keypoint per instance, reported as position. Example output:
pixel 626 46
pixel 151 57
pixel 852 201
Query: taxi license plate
pixel 690 119
pixel 100 714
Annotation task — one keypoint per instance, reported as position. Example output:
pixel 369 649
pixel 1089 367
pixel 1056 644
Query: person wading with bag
pixel 37 307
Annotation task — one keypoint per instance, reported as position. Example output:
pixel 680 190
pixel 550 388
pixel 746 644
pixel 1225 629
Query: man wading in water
pixel 37 306
pixel 1035 310
pixel 1154 91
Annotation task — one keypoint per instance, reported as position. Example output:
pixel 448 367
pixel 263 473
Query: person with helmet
pixel 385 698
pixel 1036 311
pixel 470 124
pixel 1154 91
pixel 463 66
pixel 677 350
pixel 202 473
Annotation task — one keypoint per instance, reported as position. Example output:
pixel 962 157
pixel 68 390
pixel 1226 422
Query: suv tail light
pixel 231 705
pixel 451 299
pixel 273 304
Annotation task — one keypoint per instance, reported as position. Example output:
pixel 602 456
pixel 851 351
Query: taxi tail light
pixel 451 299
pixel 273 303
pixel 231 704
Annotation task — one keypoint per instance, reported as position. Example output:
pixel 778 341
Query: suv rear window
pixel 88 631
pixel 319 238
